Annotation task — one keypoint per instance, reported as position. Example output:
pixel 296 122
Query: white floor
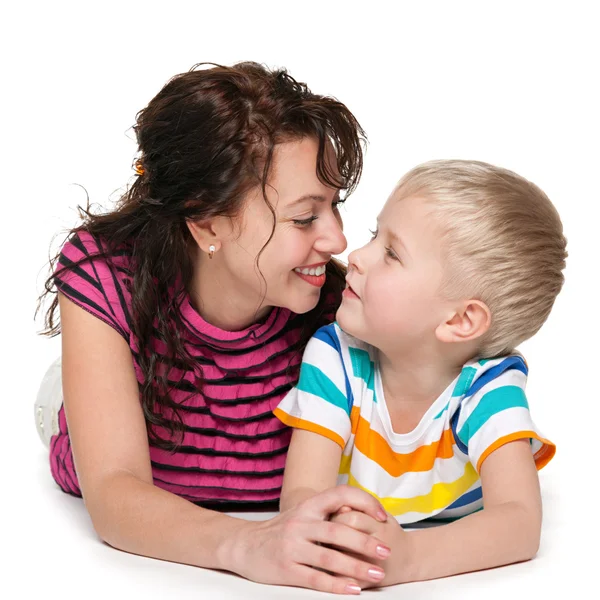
pixel 54 553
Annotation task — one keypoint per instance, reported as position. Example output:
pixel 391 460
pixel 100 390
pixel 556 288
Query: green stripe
pixel 314 381
pixel 442 411
pixel 363 368
pixel 494 402
pixel 464 381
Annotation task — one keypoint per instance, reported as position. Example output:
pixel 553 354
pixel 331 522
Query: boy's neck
pixel 415 381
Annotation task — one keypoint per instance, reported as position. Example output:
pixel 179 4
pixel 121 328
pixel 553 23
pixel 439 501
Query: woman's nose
pixel 332 240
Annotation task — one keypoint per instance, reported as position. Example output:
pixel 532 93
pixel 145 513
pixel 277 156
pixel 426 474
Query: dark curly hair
pixel 205 140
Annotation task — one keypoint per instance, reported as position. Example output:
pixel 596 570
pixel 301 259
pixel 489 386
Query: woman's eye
pixel 336 203
pixel 373 234
pixel 305 222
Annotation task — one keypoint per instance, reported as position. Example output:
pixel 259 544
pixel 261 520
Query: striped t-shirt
pixel 233 449
pixel 431 472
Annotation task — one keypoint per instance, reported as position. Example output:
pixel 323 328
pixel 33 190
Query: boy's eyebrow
pixel 395 238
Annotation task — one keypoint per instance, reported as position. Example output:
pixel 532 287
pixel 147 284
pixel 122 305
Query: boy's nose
pixel 355 260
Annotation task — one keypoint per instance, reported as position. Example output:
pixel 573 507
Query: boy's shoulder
pixel 340 354
pixel 481 375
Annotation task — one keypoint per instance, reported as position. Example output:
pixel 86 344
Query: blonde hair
pixel 503 242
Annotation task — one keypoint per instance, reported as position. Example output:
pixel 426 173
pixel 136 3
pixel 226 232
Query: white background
pixel 515 84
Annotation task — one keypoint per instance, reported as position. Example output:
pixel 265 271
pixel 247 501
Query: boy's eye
pixel 390 252
pixel 335 204
pixel 305 222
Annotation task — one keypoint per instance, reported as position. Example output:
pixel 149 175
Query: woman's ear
pixel 468 322
pixel 206 233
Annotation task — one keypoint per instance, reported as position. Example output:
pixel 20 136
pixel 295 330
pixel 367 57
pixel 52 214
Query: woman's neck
pixel 214 295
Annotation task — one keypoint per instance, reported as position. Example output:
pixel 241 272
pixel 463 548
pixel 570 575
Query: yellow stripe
pixel 441 495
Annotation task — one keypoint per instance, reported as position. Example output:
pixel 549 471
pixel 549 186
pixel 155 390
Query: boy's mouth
pixel 349 292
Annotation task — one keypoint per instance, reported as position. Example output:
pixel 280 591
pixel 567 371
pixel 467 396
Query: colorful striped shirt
pixel 431 472
pixel 233 449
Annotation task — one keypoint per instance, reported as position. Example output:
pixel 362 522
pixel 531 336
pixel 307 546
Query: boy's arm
pixel 506 531
pixel 312 466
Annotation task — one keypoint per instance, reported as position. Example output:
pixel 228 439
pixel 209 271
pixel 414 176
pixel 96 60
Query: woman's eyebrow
pixel 317 197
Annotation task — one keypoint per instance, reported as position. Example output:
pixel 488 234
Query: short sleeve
pixel 498 413
pixel 95 285
pixel 321 401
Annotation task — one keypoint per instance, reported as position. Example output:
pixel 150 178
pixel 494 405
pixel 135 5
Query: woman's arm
pixel 506 531
pixel 111 455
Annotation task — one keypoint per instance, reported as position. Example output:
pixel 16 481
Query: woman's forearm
pixel 138 517
pixel 500 535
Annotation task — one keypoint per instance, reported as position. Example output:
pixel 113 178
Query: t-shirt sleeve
pixel 321 401
pixel 498 413
pixel 94 285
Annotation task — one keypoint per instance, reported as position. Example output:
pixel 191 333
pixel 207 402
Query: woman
pixel 184 313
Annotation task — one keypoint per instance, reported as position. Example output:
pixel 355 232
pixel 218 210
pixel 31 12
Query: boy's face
pixel 392 299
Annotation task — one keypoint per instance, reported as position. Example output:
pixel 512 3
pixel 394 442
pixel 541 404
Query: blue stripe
pixel 328 335
pixel 512 362
pixel 453 425
pixel 467 498
pixel 493 402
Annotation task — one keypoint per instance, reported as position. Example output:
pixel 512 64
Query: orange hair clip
pixel 139 169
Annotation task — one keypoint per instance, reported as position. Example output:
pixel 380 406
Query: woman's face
pixel 306 232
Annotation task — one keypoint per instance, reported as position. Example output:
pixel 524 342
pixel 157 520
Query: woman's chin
pixel 302 304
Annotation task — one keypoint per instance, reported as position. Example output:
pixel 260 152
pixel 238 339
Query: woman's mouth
pixel 315 274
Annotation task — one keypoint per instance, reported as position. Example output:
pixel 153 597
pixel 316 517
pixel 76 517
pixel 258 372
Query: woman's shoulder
pixel 97 278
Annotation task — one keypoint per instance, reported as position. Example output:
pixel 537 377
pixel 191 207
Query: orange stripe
pixel 542 457
pixel 308 426
pixel 354 418
pixel 375 447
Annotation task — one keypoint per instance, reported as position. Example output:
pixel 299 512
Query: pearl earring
pixel 211 251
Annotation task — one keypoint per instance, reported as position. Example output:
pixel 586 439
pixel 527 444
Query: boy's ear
pixel 468 322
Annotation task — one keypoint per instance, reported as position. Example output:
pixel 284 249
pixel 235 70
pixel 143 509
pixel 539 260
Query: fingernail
pixel 351 588
pixel 382 515
pixel 383 551
pixel 376 574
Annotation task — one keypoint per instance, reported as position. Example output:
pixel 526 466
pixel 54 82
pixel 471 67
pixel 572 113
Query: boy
pixel 416 393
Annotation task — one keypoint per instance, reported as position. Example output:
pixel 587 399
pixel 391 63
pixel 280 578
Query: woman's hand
pixel 389 532
pixel 302 547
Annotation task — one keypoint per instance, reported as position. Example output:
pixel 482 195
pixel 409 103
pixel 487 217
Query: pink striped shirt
pixel 233 449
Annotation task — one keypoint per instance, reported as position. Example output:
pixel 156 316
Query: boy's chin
pixel 345 321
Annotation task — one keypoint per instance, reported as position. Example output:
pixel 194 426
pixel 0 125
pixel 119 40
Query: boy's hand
pixel 390 533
